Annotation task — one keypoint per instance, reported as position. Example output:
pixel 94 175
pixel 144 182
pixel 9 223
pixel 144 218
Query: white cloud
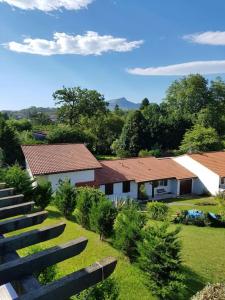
pixel 201 67
pixel 48 5
pixel 215 38
pixel 89 44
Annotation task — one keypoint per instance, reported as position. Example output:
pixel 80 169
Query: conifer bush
pixel 65 198
pixel 43 193
pixel 19 179
pixel 102 217
pixel 127 230
pixel 157 210
pixel 86 198
pixel 160 259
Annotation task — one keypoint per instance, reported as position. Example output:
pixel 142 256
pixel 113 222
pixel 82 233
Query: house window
pixel 223 180
pixel 126 186
pixel 163 182
pixel 109 189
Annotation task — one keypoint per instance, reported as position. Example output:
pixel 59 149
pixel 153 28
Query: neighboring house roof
pixel 140 170
pixel 59 158
pixel 215 161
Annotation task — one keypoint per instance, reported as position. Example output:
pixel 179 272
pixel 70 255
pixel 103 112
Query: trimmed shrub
pixel 157 210
pixel 86 198
pixel 102 217
pixel 65 198
pixel 220 197
pixel 43 193
pixel 20 180
pixel 211 291
pixel 159 257
pixel 127 230
pixel 47 275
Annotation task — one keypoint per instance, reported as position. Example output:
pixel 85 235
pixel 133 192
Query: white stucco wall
pixel 208 180
pixel 172 186
pixel 30 174
pixel 148 188
pixel 118 191
pixel 75 177
pixel 198 187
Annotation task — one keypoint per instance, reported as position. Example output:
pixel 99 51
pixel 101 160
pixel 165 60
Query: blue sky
pixel 124 54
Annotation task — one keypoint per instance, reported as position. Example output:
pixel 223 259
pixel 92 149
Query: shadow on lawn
pixel 54 214
pixel 194 283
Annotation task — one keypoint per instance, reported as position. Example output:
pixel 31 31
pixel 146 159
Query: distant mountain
pixel 123 103
pixel 27 112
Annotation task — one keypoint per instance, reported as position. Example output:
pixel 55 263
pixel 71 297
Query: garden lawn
pixel 203 253
pixel 129 277
pixel 203 248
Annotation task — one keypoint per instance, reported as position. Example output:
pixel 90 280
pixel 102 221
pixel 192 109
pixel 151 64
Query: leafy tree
pixel 1 157
pixel 43 193
pixel 76 102
pixel 132 138
pixel 127 230
pixel 67 134
pixel 9 143
pixel 186 97
pixel 40 118
pixel 48 274
pixel 214 114
pixel 20 125
pixel 65 198
pixel 102 216
pixel 106 290
pixel 145 103
pixel 200 138
pixel 87 197
pixel 159 258
pixel 19 179
pixel 105 129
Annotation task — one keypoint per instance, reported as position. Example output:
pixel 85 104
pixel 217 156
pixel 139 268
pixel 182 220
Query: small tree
pixel 86 198
pixel 20 180
pixel 127 229
pixel 160 260
pixel 102 216
pixel 65 198
pixel 105 290
pixel 43 193
pixel 157 210
pixel 9 143
pixel 48 274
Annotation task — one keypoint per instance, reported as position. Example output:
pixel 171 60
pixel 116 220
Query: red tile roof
pixel 215 161
pixel 140 170
pixel 59 158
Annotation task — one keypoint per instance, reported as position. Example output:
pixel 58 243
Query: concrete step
pixel 6 192
pixel 11 200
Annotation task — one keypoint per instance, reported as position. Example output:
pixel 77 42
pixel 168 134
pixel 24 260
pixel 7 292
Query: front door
pixel 185 187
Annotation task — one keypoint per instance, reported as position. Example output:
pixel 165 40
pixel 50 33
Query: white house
pixel 160 178
pixel 209 167
pixel 150 177
pixel 60 161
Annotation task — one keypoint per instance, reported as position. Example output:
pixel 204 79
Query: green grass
pixel 128 276
pixel 203 250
